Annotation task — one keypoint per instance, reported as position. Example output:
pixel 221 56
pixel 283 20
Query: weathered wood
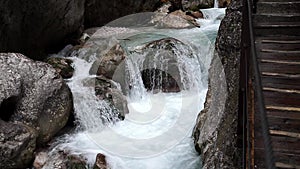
pixel 282 114
pixel 285 133
pixel 281 82
pixel 282 99
pixel 277 40
pixel 283 165
pixel 280 68
pixel 295 57
pixel 292 46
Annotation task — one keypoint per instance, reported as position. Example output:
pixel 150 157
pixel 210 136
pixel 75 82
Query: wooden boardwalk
pixel 277 40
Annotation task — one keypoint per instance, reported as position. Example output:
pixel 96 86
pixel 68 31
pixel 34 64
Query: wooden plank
pixel 285 124
pixel 283 114
pixel 282 46
pixel 284 165
pixel 291 125
pixel 287 62
pixel 287 158
pixel 280 68
pixel 281 51
pixel 280 41
pixel 285 133
pixel 281 82
pixel 282 108
pixel 279 157
pixel 292 76
pixel 295 91
pixel 281 144
pixel 273 98
pixel 283 38
pixel 295 57
pixel 277 24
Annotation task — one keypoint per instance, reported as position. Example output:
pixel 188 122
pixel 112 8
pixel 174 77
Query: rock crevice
pixel 215 131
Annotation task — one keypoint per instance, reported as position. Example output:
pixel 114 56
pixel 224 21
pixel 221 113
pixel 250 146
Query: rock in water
pixel 161 65
pixel 106 90
pixel 33 94
pixel 40 160
pixel 100 162
pixel 62 66
pixel 109 62
pixel 174 20
pixel 62 159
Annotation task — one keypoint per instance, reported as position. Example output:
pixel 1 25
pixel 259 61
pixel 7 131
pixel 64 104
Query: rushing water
pixel 216 4
pixel 156 134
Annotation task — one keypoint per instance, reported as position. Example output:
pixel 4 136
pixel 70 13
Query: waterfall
pixel 212 18
pixel 216 4
pixel 156 134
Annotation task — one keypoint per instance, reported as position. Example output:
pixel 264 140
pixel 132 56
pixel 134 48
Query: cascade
pixel 157 131
pixel 216 4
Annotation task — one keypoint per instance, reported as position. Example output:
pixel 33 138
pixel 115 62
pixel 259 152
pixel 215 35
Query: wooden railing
pixel 249 57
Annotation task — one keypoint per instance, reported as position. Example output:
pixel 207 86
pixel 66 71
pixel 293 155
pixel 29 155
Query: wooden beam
pixel 285 133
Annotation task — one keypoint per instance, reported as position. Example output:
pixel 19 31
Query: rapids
pixel 156 134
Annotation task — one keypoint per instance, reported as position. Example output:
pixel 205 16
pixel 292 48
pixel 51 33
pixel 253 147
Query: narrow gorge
pixel 156 89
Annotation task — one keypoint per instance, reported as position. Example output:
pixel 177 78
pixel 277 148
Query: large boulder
pixel 98 13
pixel 33 94
pixel 215 133
pixel 17 144
pixel 35 28
pixel 161 64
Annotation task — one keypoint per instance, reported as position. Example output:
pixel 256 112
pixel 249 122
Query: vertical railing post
pixel 243 88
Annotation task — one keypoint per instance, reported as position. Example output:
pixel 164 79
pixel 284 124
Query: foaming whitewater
pixel 212 18
pixel 157 132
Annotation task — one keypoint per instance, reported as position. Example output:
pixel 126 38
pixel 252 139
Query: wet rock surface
pixel 195 5
pixel 109 62
pixel 166 76
pixel 17 144
pixel 40 159
pixel 101 162
pixel 106 89
pixel 63 159
pixel 63 66
pixel 215 132
pixel 164 17
pixel 36 28
pixel 35 96
pixel 178 19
